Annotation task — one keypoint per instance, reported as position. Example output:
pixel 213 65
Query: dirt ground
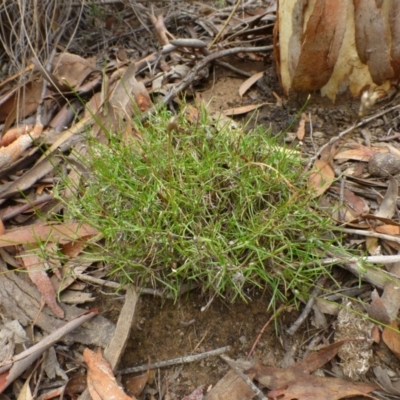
pixel 165 330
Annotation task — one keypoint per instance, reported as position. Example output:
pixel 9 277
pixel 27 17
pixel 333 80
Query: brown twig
pixel 175 361
pixel 307 309
pixel 222 30
pixel 357 266
pixel 276 313
pixel 159 26
pixel 140 290
pixel 372 234
pixel 395 136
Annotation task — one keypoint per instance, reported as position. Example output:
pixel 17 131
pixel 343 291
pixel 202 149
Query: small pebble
pixel 319 134
pixel 243 339
pixel 383 165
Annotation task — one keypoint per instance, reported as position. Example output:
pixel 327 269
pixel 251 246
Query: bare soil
pixel 166 330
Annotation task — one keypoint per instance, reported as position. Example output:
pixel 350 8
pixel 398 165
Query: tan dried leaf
pixel 388 206
pixel 391 337
pixel 242 109
pixel 37 274
pixel 72 69
pixel 101 382
pixel 135 384
pixel 322 174
pixel 360 153
pixel 61 233
pixel 297 383
pixel 301 131
pixel 248 83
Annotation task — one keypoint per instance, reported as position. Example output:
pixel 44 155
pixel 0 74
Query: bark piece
pixel 118 342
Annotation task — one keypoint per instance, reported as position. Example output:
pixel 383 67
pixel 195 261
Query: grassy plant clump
pixel 225 209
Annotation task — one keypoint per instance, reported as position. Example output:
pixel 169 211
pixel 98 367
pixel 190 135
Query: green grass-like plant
pixel 224 208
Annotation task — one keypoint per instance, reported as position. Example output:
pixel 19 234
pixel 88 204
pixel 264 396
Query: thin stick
pixel 369 259
pixel 219 34
pixel 277 312
pixel 355 265
pixel 238 71
pixel 224 64
pixel 175 361
pixel 140 290
pixel 248 381
pixel 307 309
pixel 341 197
pixel 371 234
pixel 347 131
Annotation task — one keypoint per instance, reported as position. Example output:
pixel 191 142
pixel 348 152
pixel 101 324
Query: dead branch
pixel 175 361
